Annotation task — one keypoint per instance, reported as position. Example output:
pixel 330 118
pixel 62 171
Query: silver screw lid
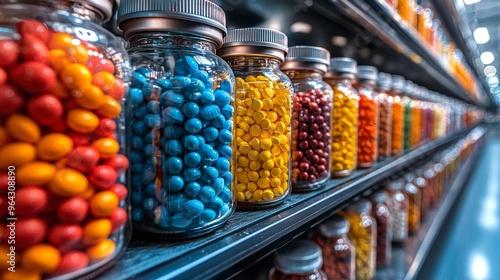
pixel 190 16
pixel 343 65
pixel 397 184
pixel 255 41
pixel 398 83
pixel 334 226
pixel 298 256
pixel 384 81
pixel 307 57
pixel 409 88
pixel 362 206
pixel 366 72
pixel 379 196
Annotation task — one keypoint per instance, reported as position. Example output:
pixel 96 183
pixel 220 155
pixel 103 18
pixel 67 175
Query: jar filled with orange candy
pixel 414 205
pixel 385 114
pixel 368 116
pixel 62 82
pixel 401 113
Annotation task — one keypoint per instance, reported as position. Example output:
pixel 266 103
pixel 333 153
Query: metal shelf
pixel 250 236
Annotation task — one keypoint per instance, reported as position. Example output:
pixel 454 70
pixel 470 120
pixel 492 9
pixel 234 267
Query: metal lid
pixel 398 83
pixel 409 87
pixel 362 206
pixel 409 176
pixel 379 196
pixel 396 184
pixel 343 65
pixel 199 17
pixel 420 182
pixel 334 226
pixel 384 81
pixel 298 256
pixel 255 41
pixel 366 72
pixel 307 57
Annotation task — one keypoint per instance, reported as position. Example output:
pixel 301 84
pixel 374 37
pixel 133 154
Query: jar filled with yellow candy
pixel 363 236
pixel 344 115
pixel 263 115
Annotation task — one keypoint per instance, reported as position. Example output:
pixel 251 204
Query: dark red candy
pixel 72 261
pixel 103 176
pixel 73 210
pixel 3 76
pixel 65 236
pixel 46 109
pixel 83 158
pixel 33 28
pixel 33 77
pixel 118 218
pixel 30 231
pixel 106 127
pixel 9 52
pixel 120 190
pixel 31 200
pixel 118 162
pixel 11 100
pixel 33 49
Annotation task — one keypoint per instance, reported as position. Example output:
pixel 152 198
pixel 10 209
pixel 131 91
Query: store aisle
pixel 469 245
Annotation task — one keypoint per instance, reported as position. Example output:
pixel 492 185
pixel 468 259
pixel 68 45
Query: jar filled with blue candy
pixel 181 119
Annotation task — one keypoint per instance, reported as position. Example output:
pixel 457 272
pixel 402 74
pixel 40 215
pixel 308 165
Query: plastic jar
pixel 264 111
pixel 398 206
pixel 382 215
pixel 311 122
pixel 338 251
pixel 398 116
pixel 385 115
pixel 182 117
pixel 298 260
pixel 363 236
pixel 344 116
pixel 414 203
pixel 62 128
pixel 368 116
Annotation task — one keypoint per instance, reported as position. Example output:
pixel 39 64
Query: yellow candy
pixel 264 173
pixel 255 143
pixel 35 173
pixel 240 196
pixel 259 116
pixel 253 176
pixel 244 148
pixel 241 187
pixel 22 128
pixel 275 172
pixel 54 146
pixel 275 141
pixel 278 191
pixel 242 177
pixel 248 120
pixel 240 132
pixel 266 143
pixel 279 161
pixel 265 124
pixel 256 105
pixel 253 155
pixel 254 165
pixel 265 134
pixel 268 93
pixel 248 195
pixel 247 137
pixel 267 104
pixel 257 195
pixel 268 195
pixel 244 126
pixel 283 139
pixel 243 161
pixel 264 183
pixel 265 155
pixel 250 78
pixel 268 165
pixel 272 116
pixel 247 102
pixel 16 154
pixel 252 187
pixel 276 150
pixel 281 127
pixel 275 182
pixel 255 130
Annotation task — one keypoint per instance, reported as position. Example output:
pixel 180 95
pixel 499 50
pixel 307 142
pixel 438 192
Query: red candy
pixel 33 49
pixel 79 139
pixel 4 204
pixel 83 158
pixel 120 190
pixel 118 162
pixel 33 77
pixel 3 76
pixel 11 100
pixel 103 176
pixel 118 219
pixel 72 261
pixel 97 64
pixel 4 183
pixel 33 28
pixel 73 210
pixel 45 109
pixel 31 200
pixel 106 128
pixel 30 231
pixel 9 52
pixel 65 236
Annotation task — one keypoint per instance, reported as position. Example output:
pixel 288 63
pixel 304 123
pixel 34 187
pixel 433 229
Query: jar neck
pixel 253 61
pixel 171 40
pixel 367 84
pixel 73 9
pixel 304 74
pixel 340 79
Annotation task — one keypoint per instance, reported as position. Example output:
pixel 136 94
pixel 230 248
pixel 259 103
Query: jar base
pixel 309 188
pixel 365 165
pixel 341 174
pixel 249 206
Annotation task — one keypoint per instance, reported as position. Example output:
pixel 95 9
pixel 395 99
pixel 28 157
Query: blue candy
pixel 227 111
pixel 172 132
pixel 176 203
pixel 171 98
pixel 222 97
pixel 225 151
pixel 143 71
pixel 161 216
pixel 190 64
pixel 161 196
pixel 140 112
pixel 209 174
pixel 163 83
pixel 135 157
pixel 137 215
pixel 148 174
pixel 224 210
pixel 225 194
pixel 180 82
pixel 207 216
pixel 174 148
pixel 218 122
pixel 218 185
pixel 206 194
pixel 151 92
pixel 210 133
pixel 136 181
pixel 137 198
pixel 190 109
pixel 209 112
pixel 173 165
pixel 136 167
pixel 201 139
pixel 222 164
pixel 216 204
pixel 192 159
pixel 150 189
pixel 228 124
pixel 179 221
pixel 135 96
pixel 192 189
pixel 179 68
pixel 149 204
pixel 152 120
pixel 172 115
pixel 226 85
pixel 228 178
pixel 208 152
pixel 191 174
pixel 225 136
pixel 196 86
pixel 138 80
pixel 152 136
pixel 192 125
pixel 193 208
pixel 203 76
pixel 175 183
pixel 137 143
pixel 153 107
pixel 190 142
pixel 149 150
pixel 207 97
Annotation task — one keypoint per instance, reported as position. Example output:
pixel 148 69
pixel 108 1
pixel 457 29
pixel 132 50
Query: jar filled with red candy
pixel 298 260
pixel 382 215
pixel 62 82
pixel 305 66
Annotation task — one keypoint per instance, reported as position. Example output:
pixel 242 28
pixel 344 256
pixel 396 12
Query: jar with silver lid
pixel 398 206
pixel 382 215
pixel 414 203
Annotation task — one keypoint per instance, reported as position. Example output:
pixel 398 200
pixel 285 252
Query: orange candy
pixel 110 108
pixel 35 173
pixel 23 128
pixel 60 41
pixel 42 258
pixel 77 53
pixel 103 203
pixel 96 231
pixel 4 137
pixel 75 76
pixel 81 120
pixel 4 259
pixel 106 147
pixel 68 182
pixel 16 154
pixel 89 97
pixel 58 60
pixel 21 274
pixel 104 80
pixel 101 250
pixel 59 90
pixel 54 146
pixel 88 193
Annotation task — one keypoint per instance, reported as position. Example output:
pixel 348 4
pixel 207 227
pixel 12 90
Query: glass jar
pixel 398 206
pixel 416 116
pixel 385 101
pixel 312 118
pixel 298 260
pixel 408 112
pixel 63 139
pixel 368 116
pixel 404 10
pixel 344 116
pixel 264 111
pixel 398 116
pixel 182 117
pixel 430 177
pixel 414 203
pixel 363 236
pixel 382 215
pixel 439 171
pixel 421 183
pixel 338 251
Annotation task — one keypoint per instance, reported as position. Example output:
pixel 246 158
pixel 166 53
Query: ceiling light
pixel 487 57
pixel 481 35
pixel 490 70
pixel 301 27
pixel 470 2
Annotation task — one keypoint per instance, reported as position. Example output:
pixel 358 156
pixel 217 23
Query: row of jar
pixel 358 240
pixel 177 131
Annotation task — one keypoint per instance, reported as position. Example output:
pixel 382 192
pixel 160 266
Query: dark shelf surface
pixel 249 236
pixel 407 259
